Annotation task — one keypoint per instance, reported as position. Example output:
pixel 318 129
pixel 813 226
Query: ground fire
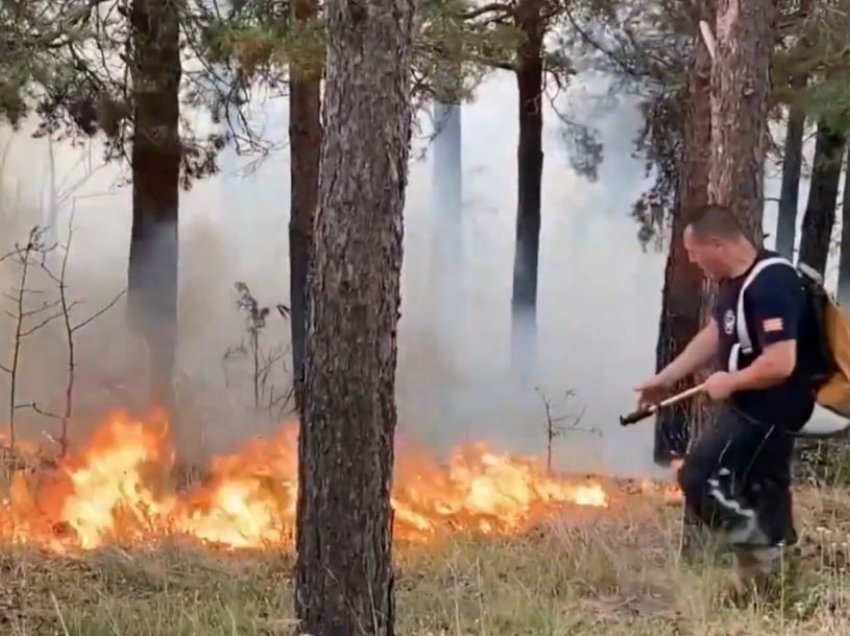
pixel 120 488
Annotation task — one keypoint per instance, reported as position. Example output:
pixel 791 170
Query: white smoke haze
pixel 598 293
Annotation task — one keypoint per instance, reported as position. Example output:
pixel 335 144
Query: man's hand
pixel 720 385
pixel 653 391
pixel 700 350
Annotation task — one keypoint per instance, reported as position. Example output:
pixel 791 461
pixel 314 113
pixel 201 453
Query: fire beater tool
pixel 642 414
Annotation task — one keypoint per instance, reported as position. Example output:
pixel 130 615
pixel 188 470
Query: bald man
pixel 737 476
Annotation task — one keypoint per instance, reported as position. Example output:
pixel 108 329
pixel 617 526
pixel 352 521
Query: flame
pixel 119 489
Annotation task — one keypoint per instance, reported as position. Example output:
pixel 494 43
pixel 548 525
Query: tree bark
pixel 739 90
pixel 305 138
pixel 156 153
pixel 844 259
pixel 681 304
pixel 740 83
pixel 343 572
pixel 529 74
pixel 792 162
pixel 819 218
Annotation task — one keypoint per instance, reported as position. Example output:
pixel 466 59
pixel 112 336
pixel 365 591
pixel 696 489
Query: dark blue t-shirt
pixel 776 309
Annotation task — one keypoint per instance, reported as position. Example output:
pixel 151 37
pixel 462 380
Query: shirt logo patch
pixel 772 325
pixel 729 322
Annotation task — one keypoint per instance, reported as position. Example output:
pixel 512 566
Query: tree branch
pixel 35 407
pixel 590 40
pixel 98 313
pixel 41 324
pixel 507 10
pixel 708 38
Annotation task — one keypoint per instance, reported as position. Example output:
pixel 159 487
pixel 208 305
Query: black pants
pixel 739 474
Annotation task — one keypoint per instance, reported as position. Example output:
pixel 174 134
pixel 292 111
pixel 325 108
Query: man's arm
pixel 772 367
pixel 698 353
pixel 776 303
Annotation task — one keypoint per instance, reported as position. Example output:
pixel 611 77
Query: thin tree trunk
pixel 152 277
pixel 343 573
pixel 447 201
pixel 529 174
pixel 681 305
pixel 305 138
pixel 844 259
pixel 739 90
pixel 792 162
pixel 819 218
pixel 447 220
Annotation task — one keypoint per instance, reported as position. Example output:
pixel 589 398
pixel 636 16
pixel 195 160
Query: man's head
pixel 716 242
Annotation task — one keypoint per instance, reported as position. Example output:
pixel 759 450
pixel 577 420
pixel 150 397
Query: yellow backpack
pixel 833 386
pixel 827 360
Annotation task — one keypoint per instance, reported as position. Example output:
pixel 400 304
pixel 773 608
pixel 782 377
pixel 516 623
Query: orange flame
pixel 118 489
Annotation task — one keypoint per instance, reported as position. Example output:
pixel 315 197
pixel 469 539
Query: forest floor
pixel 613 571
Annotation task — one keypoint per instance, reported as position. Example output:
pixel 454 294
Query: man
pixel 737 475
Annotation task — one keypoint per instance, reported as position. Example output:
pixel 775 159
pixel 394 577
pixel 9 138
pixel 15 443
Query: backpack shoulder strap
pixel 740 320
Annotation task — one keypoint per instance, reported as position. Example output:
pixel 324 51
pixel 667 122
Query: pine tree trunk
pixel 447 202
pixel 447 228
pixel 819 218
pixel 152 276
pixel 305 138
pixel 739 91
pixel 844 260
pixel 447 196
pixel 529 174
pixel 343 573
pixel 792 162
pixel 681 303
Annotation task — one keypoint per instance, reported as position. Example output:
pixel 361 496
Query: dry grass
pixel 611 573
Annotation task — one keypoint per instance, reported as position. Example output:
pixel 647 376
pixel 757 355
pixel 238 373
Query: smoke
pixel 596 323
pixel 596 316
